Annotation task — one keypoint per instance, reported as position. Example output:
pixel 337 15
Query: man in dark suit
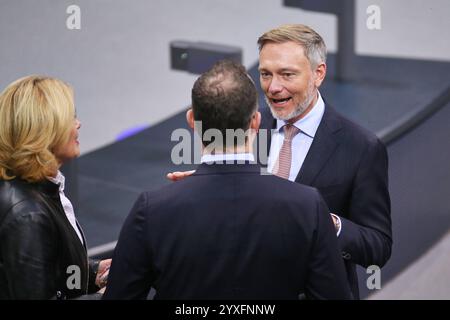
pixel 228 232
pixel 346 163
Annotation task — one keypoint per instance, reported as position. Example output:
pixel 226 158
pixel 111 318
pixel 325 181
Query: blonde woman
pixel 42 248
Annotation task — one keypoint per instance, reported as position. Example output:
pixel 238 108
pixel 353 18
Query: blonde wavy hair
pixel 36 117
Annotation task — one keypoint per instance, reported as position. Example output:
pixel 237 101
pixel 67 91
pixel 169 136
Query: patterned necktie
pixel 282 167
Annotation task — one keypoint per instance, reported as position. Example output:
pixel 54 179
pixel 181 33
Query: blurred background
pixel 394 80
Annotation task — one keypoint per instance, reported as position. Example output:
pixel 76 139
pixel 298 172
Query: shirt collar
pixel 227 157
pixel 310 123
pixel 59 180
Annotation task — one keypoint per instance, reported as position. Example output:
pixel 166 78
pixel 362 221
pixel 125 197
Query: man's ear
pixel 190 118
pixel 255 122
pixel 319 74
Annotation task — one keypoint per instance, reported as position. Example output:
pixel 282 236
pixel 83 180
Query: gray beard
pixel 301 107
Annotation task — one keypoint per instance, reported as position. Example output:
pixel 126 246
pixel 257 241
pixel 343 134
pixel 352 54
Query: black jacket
pixel 349 167
pixel 41 256
pixel 228 232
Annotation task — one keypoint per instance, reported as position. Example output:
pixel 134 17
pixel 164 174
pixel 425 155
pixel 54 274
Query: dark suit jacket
pixel 228 232
pixel 349 166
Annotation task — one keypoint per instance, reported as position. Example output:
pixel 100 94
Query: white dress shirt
pixel 300 143
pixel 227 157
pixel 67 205
pixel 302 140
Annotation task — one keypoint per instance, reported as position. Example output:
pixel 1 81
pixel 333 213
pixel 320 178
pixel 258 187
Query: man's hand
pixel 102 273
pixel 102 290
pixel 179 175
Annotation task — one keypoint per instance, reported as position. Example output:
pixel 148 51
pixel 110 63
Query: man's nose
pixel 275 86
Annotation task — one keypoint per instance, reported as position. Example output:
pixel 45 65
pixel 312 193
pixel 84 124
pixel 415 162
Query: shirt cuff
pixel 339 223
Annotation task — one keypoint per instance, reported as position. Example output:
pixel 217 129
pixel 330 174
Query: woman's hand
pixel 102 273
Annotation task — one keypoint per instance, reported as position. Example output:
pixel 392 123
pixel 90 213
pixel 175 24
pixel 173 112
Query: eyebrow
pixel 281 70
pixel 289 69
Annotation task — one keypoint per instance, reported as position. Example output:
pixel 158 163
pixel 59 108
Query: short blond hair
pixel 36 116
pixel 313 45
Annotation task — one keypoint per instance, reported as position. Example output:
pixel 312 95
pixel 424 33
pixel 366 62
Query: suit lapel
pixel 324 145
pixel 267 124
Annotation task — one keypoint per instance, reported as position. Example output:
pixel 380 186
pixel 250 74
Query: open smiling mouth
pixel 280 101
